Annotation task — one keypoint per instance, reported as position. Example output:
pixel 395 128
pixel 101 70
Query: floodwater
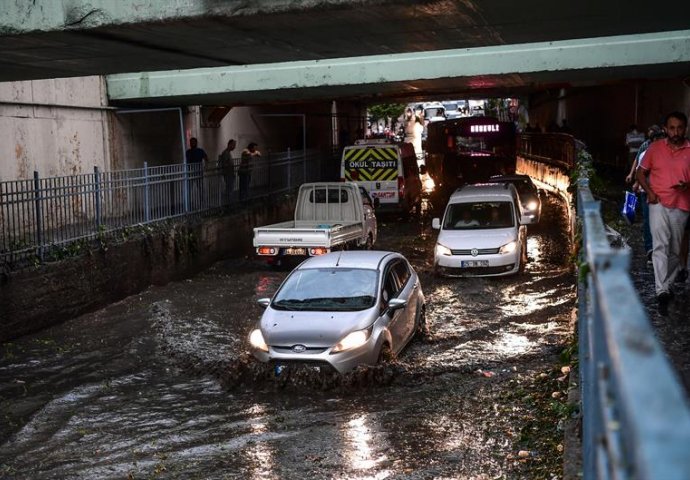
pixel 160 385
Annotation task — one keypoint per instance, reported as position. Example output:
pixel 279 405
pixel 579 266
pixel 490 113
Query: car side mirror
pixel 264 302
pixel 436 223
pixel 397 303
pixel 377 202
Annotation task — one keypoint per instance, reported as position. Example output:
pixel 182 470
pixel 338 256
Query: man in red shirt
pixel 664 174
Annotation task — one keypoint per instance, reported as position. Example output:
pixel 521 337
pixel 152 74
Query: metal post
pixel 289 169
pixel 147 193
pixel 185 187
pixel 304 147
pixel 270 178
pixel 97 195
pixel 39 216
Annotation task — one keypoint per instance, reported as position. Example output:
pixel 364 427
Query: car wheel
pixel 385 354
pixel 421 327
pixel 523 259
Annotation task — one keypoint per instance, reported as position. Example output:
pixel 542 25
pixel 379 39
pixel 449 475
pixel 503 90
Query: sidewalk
pixel 673 331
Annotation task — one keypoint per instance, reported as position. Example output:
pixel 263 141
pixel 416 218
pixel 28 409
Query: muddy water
pixel 160 384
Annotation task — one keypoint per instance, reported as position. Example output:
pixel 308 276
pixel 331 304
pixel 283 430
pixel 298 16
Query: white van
pixel 483 232
pixel 388 172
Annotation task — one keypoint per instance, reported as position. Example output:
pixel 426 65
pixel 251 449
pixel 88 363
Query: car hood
pixel 490 238
pixel 312 329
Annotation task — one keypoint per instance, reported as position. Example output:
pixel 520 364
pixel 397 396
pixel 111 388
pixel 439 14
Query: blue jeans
pixel 646 232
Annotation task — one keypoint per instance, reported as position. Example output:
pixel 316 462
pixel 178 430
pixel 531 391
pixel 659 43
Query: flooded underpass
pixel 160 385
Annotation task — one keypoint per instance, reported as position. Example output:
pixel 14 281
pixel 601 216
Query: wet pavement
pixel 160 385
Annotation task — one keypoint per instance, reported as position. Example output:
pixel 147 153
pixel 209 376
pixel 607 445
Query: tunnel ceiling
pixel 187 35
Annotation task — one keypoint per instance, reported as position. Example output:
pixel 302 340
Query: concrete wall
pixel 57 127
pixel 64 127
pixel 600 116
pixel 37 298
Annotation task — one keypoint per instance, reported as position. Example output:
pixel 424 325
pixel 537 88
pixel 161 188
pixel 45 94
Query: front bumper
pixel 498 265
pixel 342 362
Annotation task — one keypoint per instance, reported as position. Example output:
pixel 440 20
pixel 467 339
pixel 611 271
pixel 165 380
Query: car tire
pixel 523 259
pixel 421 327
pixel 385 354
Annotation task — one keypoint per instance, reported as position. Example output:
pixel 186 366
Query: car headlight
pixel 508 248
pixel 532 205
pixel 443 250
pixel 352 340
pixel 256 339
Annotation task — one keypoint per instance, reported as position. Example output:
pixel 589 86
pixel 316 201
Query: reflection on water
pixel 520 300
pixel 534 250
pixel 259 455
pixel 360 449
pixel 267 284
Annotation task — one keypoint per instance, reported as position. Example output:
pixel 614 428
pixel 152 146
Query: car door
pixel 409 291
pixel 369 214
pixel 396 318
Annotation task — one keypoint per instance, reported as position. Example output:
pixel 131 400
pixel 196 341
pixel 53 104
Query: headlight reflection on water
pixel 259 454
pixel 360 443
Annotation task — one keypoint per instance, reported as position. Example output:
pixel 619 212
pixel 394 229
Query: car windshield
pixel 328 289
pixel 479 216
pixel 523 186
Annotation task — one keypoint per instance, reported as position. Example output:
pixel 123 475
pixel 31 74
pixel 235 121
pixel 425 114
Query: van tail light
pixel 401 187
pixel 266 251
pixel 318 251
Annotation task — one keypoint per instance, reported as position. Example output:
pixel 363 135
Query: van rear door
pixel 376 168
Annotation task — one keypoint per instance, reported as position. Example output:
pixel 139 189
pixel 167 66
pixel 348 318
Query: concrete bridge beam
pixel 482 67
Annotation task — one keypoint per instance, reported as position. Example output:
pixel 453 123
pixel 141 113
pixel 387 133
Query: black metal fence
pixel 42 216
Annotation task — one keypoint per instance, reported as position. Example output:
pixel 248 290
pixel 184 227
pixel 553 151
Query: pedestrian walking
pixel 654 133
pixel 245 170
pixel 226 164
pixel 633 140
pixel 664 174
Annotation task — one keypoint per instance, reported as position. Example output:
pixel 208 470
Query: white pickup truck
pixel 328 216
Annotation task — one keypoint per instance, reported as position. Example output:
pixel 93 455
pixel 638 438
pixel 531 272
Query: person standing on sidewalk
pixel 665 175
pixel 196 158
pixel 654 133
pixel 227 168
pixel 245 170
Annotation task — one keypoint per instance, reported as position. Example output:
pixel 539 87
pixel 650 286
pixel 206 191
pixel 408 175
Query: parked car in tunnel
pixel 341 310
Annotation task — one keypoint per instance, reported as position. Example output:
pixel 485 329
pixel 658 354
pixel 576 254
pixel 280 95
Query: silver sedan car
pixel 342 309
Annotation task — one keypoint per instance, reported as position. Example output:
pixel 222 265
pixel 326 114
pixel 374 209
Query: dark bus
pixel 469 150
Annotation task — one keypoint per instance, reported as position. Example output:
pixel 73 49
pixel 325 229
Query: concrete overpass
pixel 232 52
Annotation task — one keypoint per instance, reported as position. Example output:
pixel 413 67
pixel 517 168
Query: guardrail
pixel 558 149
pixel 636 419
pixel 41 217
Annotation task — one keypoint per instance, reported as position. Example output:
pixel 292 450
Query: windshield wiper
pixel 289 303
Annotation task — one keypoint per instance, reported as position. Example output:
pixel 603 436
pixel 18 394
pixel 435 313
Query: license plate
pixel 278 368
pixel 295 251
pixel 474 263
